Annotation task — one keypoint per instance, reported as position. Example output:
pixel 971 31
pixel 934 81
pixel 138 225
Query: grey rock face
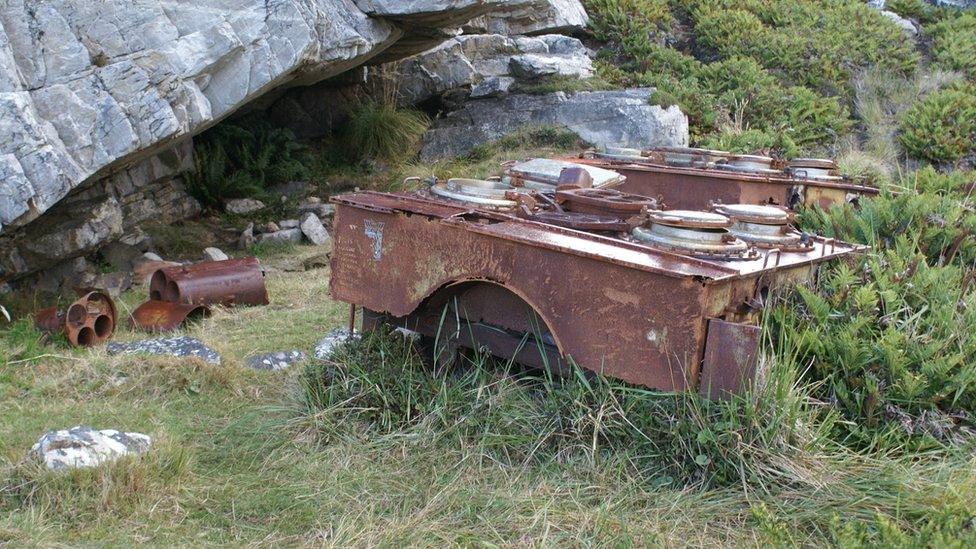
pixel 182 346
pixel 954 3
pixel 276 361
pixel 89 87
pixel 621 118
pixel 490 64
pixel 534 17
pixel 313 230
pixel 86 447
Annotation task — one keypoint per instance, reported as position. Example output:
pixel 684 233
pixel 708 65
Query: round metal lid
pixel 753 169
pixel 754 213
pixel 490 194
pixel 819 163
pixel 690 218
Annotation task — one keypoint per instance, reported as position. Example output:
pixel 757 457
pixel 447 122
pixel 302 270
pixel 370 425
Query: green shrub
pixel 751 142
pixel 954 43
pixel 379 130
pixel 890 340
pixel 633 27
pixel 242 159
pixel 942 126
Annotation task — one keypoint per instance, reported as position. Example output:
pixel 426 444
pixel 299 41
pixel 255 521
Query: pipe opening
pixel 76 314
pixel 172 293
pixel 103 326
pixel 86 337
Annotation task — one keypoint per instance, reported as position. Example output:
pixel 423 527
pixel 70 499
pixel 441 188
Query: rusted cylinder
pixel 163 316
pixel 230 282
pixel 88 321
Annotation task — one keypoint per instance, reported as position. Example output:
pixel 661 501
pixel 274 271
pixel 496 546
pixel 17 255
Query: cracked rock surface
pixel 87 447
pixel 182 346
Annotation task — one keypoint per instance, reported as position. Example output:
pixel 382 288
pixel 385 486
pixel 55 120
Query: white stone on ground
pixel 242 206
pixel 214 254
pixel 335 337
pixel 276 361
pixel 86 447
pixel 286 236
pixel 313 229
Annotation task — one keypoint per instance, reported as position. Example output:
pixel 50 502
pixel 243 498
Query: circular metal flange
pixel 771 236
pixel 604 201
pixel 690 218
pixel 489 194
pixel 694 241
pixel 580 221
pixel 816 163
pixel 753 213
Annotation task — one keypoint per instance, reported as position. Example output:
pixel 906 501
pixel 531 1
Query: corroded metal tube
pixel 230 282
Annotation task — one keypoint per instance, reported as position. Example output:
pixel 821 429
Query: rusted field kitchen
pixel 559 261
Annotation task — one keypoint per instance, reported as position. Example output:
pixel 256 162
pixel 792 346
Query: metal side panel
pixel 729 365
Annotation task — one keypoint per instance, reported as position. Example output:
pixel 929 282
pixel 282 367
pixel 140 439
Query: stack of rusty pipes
pixel 89 321
pixel 182 292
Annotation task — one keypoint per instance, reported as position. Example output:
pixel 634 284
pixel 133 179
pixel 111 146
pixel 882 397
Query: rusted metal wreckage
pixel 183 292
pixel 668 299
pixel 690 178
pixel 89 321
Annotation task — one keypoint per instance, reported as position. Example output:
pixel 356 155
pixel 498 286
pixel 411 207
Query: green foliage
pixel 634 27
pixel 379 130
pixel 920 10
pixel 950 529
pixel 954 43
pixel 529 136
pixel 21 341
pixel 751 142
pixel 242 159
pixel 942 126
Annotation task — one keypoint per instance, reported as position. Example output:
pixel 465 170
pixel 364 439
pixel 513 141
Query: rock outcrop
pixel 91 88
pixel 622 118
pixel 534 17
pixel 491 64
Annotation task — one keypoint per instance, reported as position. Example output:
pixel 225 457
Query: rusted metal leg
pixel 352 319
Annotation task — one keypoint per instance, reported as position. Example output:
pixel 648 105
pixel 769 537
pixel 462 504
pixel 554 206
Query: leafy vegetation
pixel 942 126
pixel 954 41
pixel 242 159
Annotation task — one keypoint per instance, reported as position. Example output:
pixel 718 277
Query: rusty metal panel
pixel 697 188
pixel 731 354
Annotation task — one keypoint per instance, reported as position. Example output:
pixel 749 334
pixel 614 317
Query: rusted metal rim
pixel 690 218
pixel 579 221
pixel 545 173
pixel 89 321
pixel 482 193
pixel 816 163
pixel 604 201
pixel 163 316
pixel 765 235
pixel 753 213
pixel 713 242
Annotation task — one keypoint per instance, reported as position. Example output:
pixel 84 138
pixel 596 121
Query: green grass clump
pixel 942 126
pixel 954 41
pixel 242 159
pixel 379 130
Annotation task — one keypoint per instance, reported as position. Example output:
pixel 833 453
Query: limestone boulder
pixel 622 118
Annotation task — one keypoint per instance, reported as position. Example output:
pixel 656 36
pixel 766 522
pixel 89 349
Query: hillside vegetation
pixel 860 433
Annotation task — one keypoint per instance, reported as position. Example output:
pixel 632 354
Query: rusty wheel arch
pixel 445 285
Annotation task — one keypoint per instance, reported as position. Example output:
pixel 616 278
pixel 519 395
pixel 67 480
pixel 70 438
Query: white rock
pixel 534 17
pixel 86 447
pixel 325 346
pixel 214 254
pixel 289 223
pixel 246 240
pixel 285 236
pixel 905 24
pixel 149 256
pixel 313 229
pixel 243 206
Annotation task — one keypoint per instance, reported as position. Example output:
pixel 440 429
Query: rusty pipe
pixel 230 282
pixel 89 321
pixel 163 316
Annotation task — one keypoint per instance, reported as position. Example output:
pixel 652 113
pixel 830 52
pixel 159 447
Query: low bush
pixel 942 126
pixel 379 130
pixel 954 41
pixel 242 159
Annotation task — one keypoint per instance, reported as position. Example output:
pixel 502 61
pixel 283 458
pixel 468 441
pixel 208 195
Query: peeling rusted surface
pixel 230 282
pixel 696 187
pixel 731 352
pixel 606 301
pixel 87 322
pixel 163 316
